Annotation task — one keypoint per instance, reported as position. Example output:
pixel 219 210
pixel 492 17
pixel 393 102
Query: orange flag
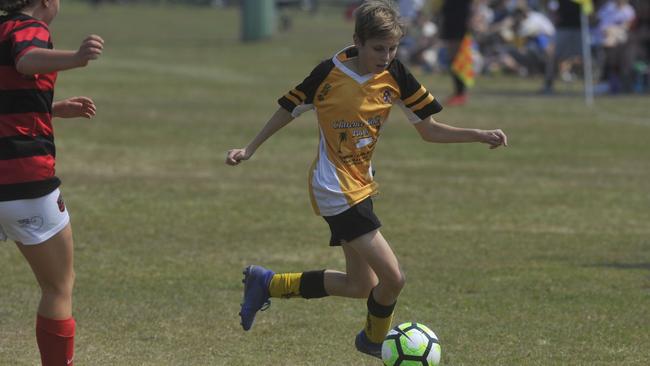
pixel 463 65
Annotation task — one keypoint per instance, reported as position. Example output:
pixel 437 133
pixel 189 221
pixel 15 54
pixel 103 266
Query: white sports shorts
pixel 33 221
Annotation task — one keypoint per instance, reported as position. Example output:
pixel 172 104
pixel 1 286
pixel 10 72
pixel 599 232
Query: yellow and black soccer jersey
pixel 351 110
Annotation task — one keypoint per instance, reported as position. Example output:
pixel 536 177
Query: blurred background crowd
pixel 537 37
pixel 540 37
pixel 527 38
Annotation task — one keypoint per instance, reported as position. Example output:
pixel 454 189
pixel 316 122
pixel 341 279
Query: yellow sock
pixel 378 320
pixel 285 285
pixel 377 328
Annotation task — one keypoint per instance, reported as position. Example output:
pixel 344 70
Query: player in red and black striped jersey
pixel 32 212
pixel 352 94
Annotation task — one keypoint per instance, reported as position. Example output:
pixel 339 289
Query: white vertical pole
pixel 586 60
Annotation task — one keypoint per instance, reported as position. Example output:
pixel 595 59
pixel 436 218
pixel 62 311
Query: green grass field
pixel 538 254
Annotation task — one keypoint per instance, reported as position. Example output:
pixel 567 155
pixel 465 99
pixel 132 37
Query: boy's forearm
pixel 44 61
pixel 279 119
pixel 450 134
pixel 55 108
pixel 439 132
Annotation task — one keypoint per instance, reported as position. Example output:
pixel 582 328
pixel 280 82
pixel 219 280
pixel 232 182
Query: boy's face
pixel 376 53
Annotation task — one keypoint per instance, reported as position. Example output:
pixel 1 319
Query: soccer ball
pixel 410 344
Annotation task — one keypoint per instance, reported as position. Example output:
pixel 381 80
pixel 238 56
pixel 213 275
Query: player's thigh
pixel 373 249
pixel 52 260
pixel 358 270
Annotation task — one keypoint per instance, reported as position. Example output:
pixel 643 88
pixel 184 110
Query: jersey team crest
pixel 387 96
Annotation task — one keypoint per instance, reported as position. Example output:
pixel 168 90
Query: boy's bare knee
pixel 395 283
pixel 401 281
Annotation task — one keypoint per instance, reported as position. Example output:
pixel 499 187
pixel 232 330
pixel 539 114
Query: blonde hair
pixel 377 19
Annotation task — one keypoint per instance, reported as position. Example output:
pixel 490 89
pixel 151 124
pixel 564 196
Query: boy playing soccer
pixel 352 94
pixel 32 212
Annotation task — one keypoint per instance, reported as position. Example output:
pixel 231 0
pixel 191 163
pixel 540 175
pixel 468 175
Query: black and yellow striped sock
pixel 309 285
pixel 379 319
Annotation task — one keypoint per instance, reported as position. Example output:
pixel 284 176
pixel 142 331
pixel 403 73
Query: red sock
pixel 55 340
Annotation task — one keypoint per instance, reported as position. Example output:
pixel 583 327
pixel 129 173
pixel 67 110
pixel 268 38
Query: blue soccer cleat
pixel 256 294
pixel 363 345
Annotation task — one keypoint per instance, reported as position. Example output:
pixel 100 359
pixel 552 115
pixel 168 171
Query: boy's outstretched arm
pixel 280 118
pixel 433 131
pixel 45 61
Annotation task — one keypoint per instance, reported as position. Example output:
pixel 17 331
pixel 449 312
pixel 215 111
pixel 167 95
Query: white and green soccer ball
pixel 411 344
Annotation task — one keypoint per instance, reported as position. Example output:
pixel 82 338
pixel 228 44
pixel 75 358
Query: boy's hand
pixel 236 156
pixel 494 138
pixel 90 49
pixel 74 107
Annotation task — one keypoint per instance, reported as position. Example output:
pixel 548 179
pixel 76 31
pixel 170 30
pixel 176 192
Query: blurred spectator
pixel 520 37
pixel 535 32
pixel 640 39
pixel 455 20
pixel 615 18
pixel 285 21
pixel 409 12
pixel 410 9
pixel 642 32
pixel 483 16
pixel 493 25
pixel 419 46
pixel 567 45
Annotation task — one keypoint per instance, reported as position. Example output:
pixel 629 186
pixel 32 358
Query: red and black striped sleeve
pixel 28 35
pixel 305 91
pixel 414 96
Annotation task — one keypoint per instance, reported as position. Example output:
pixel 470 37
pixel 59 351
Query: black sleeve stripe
pixel 412 92
pixel 423 97
pixel 430 109
pixel 406 82
pixel 21 46
pixel 313 81
pixel 300 94
pixel 286 104
pixel 29 25
pixel 428 100
pixel 308 87
pixel 413 97
pixel 296 96
pixel 293 99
